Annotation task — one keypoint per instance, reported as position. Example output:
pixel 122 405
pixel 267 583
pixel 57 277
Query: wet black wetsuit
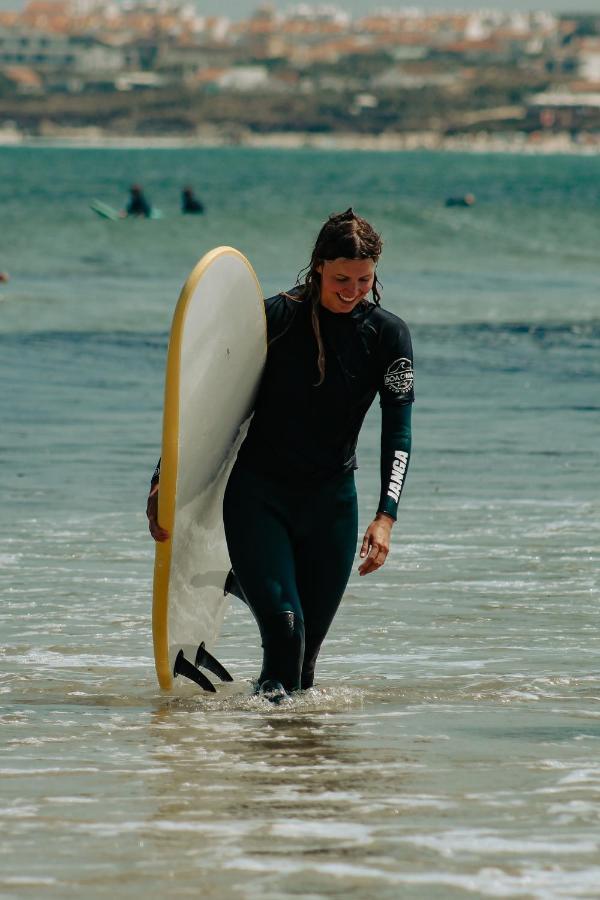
pixel 190 203
pixel 138 206
pixel 290 506
pixel 290 509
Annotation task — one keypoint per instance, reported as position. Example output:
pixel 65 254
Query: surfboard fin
pixel 184 667
pixel 207 661
pixel 233 587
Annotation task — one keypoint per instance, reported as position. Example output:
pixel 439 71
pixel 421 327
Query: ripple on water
pixel 450 747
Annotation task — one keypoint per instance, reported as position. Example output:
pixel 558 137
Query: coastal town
pixel 159 70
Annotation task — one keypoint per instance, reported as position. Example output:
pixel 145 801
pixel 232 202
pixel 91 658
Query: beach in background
pixel 450 748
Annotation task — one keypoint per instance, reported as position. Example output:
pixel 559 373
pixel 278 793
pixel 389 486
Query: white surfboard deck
pixel 105 211
pixel 109 212
pixel 217 350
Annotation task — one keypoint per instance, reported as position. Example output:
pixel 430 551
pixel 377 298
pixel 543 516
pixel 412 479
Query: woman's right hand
pixel 159 534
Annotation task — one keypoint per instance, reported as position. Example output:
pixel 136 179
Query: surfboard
pixel 104 210
pixel 217 349
pixel 109 212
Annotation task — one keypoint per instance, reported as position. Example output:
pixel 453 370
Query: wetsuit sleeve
pixel 395 454
pixel 156 477
pixel 396 393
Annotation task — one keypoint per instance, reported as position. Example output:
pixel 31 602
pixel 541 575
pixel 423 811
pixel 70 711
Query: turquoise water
pixel 451 746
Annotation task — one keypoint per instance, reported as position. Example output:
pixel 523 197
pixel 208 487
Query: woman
pixel 290 509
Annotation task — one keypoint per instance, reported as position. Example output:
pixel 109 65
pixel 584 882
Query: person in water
pixel 290 506
pixel 137 205
pixel 190 203
pixel 464 200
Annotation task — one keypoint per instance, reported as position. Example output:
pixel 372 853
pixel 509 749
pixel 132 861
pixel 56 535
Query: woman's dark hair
pixel 344 235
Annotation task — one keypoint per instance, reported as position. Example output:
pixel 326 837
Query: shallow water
pixel 450 748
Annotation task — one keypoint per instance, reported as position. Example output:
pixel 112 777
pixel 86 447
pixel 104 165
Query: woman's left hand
pixel 376 544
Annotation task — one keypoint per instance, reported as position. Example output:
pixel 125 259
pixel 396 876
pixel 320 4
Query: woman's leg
pixel 323 568
pixel 261 553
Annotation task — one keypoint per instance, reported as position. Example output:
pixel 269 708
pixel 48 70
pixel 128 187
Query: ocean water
pixel 451 746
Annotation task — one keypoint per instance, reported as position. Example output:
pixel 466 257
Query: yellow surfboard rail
pixel 169 463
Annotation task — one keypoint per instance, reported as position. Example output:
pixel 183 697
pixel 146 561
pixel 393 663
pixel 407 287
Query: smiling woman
pixel 290 507
pixel 345 282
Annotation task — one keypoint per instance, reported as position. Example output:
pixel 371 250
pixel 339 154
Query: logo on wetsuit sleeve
pixel 398 472
pixel 399 377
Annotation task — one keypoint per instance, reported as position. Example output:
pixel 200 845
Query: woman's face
pixel 345 282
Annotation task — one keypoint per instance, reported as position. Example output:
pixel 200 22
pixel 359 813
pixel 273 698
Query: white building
pixel 54 52
pixel 244 78
pixel 589 60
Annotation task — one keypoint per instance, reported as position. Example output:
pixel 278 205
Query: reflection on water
pixel 363 791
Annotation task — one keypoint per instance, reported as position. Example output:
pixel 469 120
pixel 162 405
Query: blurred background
pixel 295 74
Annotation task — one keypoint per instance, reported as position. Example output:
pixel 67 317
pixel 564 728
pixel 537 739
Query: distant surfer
pixel 4 277
pixel 190 203
pixel 290 507
pixel 138 205
pixel 464 200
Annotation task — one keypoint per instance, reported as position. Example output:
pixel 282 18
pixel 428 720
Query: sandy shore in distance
pixel 482 142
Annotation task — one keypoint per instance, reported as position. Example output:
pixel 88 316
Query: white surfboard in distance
pixel 217 350
pixel 109 212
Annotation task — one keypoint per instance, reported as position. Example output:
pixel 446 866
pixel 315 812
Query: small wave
pixel 472 841
pixel 539 331
pixel 231 699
